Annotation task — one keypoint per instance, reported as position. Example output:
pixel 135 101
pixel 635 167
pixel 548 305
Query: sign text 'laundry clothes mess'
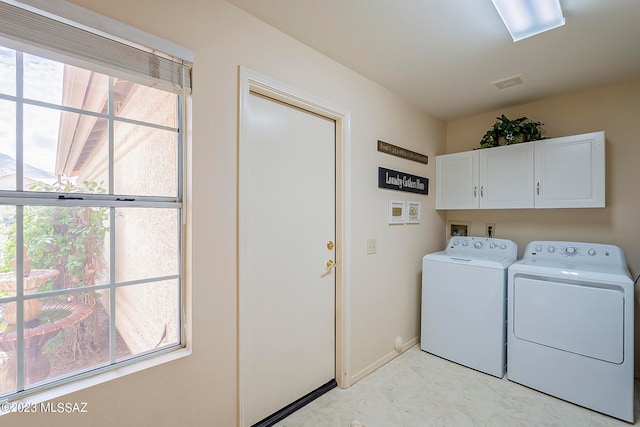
pixel 394 180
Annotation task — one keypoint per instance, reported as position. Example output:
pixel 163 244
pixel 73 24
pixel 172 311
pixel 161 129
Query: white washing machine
pixel 464 302
pixel 570 321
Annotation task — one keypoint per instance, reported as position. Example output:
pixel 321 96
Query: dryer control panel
pixel 580 253
pixel 482 247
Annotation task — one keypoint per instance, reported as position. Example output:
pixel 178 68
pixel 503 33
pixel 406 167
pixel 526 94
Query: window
pixel 90 210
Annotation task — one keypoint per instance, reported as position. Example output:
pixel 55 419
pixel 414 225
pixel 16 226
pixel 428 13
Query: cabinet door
pixel 457 180
pixel 506 177
pixel 569 172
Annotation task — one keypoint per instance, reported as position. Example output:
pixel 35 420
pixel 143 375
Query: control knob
pixel 592 252
pixel 570 250
pixel 477 245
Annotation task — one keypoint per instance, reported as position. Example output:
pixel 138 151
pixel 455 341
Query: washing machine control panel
pixel 483 247
pixel 577 252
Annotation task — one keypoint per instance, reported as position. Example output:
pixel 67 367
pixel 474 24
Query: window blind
pixel 90 49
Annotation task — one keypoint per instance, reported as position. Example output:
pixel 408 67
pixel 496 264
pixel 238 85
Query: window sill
pixel 55 392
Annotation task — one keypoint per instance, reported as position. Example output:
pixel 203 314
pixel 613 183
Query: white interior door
pixel 288 209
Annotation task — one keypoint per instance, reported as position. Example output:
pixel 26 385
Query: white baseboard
pixel 382 361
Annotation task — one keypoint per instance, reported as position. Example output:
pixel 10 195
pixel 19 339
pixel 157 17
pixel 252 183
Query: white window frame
pixel 69 13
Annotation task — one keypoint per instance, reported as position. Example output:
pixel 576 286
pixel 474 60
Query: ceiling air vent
pixel 509 82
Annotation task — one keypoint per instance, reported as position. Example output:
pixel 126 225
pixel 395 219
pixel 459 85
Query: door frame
pixel 251 81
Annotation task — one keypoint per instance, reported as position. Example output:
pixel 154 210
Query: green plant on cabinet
pixel 506 132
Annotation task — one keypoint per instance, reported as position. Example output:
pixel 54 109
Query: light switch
pixel 372 246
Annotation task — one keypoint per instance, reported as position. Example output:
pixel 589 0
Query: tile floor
pixel 417 389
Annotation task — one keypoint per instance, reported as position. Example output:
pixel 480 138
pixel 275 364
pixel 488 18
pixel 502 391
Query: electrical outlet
pixel 490 229
pixel 372 246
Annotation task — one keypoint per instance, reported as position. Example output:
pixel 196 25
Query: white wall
pixel 385 288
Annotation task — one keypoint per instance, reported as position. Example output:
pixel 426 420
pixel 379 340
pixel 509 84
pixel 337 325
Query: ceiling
pixel 443 55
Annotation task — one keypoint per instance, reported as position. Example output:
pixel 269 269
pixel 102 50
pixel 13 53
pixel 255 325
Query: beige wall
pixel 385 288
pixel 613 109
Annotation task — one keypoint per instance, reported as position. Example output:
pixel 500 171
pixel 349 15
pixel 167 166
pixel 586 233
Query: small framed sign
pixel 396 211
pixel 413 212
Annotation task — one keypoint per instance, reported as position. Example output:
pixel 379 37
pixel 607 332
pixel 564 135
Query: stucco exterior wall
pixel 145 163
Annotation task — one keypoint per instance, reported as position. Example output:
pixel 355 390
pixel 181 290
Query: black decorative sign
pixel 394 150
pixel 394 180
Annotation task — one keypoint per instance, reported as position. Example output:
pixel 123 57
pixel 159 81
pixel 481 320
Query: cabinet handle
pixel 475 191
pixel 538 188
pixel 482 191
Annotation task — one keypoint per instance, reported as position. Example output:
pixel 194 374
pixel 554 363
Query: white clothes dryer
pixel 570 322
pixel 464 302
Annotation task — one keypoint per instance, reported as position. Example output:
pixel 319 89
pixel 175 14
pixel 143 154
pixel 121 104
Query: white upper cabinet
pixel 506 177
pixel 457 181
pixel 570 172
pixel 565 172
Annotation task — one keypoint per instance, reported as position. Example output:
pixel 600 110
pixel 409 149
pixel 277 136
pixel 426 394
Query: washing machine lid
pixel 477 251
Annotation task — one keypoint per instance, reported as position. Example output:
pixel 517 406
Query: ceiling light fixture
pixel 526 18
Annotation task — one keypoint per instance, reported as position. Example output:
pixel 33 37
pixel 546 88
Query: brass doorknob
pixel 330 264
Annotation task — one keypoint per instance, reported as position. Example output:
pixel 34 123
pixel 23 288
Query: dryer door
pixel 581 318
